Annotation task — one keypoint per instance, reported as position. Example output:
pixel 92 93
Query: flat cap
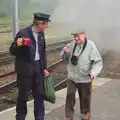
pixel 78 32
pixel 42 17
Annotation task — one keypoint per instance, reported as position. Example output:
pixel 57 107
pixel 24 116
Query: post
pixel 90 98
pixel 15 17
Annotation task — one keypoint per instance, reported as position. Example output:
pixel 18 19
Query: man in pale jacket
pixel 84 64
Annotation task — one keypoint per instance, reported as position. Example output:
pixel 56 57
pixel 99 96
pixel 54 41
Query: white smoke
pixel 100 19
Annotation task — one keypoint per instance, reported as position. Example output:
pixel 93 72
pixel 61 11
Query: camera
pixel 74 60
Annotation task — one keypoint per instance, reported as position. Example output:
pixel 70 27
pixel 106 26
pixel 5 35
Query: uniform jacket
pixel 90 62
pixel 25 55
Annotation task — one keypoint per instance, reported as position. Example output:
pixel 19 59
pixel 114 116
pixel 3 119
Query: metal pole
pixel 15 17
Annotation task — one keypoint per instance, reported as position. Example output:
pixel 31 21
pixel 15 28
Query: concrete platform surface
pixel 105 98
pixel 105 104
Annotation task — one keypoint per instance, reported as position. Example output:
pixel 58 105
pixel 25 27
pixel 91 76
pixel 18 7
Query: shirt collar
pixel 81 45
pixel 33 30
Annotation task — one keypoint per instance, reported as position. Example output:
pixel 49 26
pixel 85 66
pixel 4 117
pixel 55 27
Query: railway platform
pixel 105 103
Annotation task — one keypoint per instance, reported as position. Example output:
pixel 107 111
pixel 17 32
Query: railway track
pixel 8 92
pixel 7 31
pixel 6 58
pixel 52 50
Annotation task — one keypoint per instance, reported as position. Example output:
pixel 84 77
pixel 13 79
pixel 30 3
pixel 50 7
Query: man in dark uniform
pixel 30 65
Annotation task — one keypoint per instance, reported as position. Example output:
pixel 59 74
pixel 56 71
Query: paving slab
pixel 105 104
pixel 60 101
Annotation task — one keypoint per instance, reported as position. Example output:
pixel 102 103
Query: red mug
pixel 26 41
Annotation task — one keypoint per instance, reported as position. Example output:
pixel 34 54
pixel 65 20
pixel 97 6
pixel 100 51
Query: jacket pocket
pixel 24 68
pixel 84 69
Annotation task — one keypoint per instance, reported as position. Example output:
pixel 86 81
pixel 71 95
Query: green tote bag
pixel 49 90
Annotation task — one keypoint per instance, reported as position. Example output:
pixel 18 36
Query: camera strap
pixel 84 46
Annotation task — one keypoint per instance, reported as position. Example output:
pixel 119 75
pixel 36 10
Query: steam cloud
pixel 100 19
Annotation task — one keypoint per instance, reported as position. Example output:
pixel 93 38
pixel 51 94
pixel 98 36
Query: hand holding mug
pixel 19 42
pixel 23 41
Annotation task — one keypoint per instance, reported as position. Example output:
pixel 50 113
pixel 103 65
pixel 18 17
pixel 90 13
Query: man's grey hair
pixel 37 22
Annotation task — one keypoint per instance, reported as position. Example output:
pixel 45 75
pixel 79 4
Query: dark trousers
pixel 32 82
pixel 84 95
